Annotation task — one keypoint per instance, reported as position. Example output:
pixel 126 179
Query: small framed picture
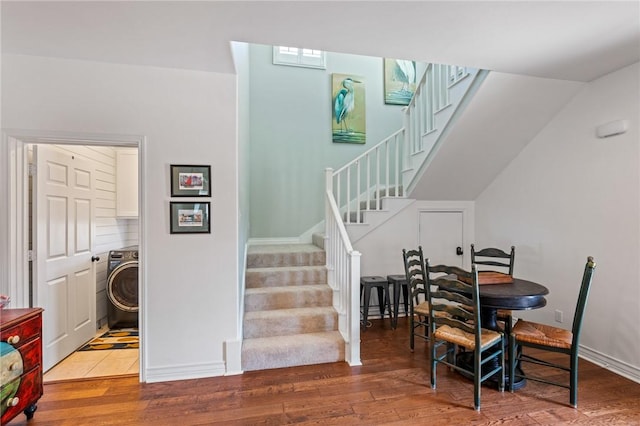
pixel 190 181
pixel 189 218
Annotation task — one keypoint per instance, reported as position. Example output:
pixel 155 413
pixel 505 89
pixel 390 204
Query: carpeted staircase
pixel 289 318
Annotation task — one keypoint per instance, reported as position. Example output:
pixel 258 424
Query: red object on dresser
pixel 22 329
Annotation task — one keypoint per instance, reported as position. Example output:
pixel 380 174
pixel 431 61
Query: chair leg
pixel 433 363
pixel 502 366
pixel 573 385
pixel 412 329
pixel 405 299
pixel 477 372
pixel 367 296
pixel 381 301
pixel 387 305
pixel 513 359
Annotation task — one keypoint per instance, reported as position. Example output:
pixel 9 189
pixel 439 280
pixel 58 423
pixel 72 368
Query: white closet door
pixel 64 234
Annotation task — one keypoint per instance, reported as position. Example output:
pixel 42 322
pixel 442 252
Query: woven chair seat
pixel 502 314
pixel 421 309
pixel 462 338
pixel 542 334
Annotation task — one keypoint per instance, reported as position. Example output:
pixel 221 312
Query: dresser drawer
pixel 29 392
pixel 20 334
pixel 31 354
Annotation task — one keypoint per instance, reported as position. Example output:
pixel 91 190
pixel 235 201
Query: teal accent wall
pixel 290 116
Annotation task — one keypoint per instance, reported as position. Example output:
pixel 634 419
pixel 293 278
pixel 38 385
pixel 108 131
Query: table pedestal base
pixel 465 360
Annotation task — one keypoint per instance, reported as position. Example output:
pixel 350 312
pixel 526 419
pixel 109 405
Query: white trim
pixel 267 241
pixel 299 59
pixel 142 258
pixel 307 236
pixel 14 222
pixel 185 372
pixel 233 357
pixel 607 362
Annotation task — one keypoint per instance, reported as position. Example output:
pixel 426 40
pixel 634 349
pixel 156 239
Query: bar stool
pixel 399 281
pixel 384 301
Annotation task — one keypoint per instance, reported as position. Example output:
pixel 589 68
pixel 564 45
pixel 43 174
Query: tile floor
pixel 89 364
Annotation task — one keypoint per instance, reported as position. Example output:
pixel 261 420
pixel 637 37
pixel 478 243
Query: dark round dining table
pixel 517 296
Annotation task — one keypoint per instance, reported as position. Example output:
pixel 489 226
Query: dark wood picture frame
pixel 190 180
pixel 189 217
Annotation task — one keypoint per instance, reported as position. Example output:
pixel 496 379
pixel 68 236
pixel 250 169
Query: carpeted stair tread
pixel 259 256
pixel 288 351
pixel 284 322
pixel 286 297
pixel 285 276
pixel 289 316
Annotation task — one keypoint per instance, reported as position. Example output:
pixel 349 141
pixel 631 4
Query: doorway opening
pixel 95 225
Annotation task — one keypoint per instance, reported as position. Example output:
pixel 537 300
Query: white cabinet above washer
pixel 127 182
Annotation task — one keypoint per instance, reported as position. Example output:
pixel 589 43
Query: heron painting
pixel 349 124
pixel 399 81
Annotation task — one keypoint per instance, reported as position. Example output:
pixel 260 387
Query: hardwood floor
pixel 391 387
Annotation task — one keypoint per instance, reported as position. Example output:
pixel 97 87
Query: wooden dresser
pixel 21 362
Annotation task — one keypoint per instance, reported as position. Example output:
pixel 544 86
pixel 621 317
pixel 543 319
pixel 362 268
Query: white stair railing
pixel 360 185
pixel 384 170
pixel 430 97
pixel 343 274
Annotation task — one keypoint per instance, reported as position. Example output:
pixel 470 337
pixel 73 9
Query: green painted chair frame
pixel 416 282
pixel 454 317
pixel 495 253
pixel 486 258
pixel 554 340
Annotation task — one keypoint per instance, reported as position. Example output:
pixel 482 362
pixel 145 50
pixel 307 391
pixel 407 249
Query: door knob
pixel 459 251
pixel 95 258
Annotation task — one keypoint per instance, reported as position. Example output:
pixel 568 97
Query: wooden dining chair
pixel 492 258
pixel 453 324
pixel 552 339
pixel 488 256
pixel 418 307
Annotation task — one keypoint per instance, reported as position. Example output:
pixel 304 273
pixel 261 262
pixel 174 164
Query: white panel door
pixel 440 235
pixel 64 274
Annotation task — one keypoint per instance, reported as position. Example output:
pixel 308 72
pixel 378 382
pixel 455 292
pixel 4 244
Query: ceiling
pixel 567 40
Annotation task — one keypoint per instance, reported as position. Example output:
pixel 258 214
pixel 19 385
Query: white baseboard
pixel 265 241
pixel 184 372
pixel 614 365
pixel 305 238
pixel 233 356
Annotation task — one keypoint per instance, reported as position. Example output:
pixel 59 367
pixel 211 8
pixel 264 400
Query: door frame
pixel 14 220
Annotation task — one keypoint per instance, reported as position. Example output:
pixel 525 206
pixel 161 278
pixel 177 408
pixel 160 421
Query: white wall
pixel 188 117
pixel 382 249
pixel 569 195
